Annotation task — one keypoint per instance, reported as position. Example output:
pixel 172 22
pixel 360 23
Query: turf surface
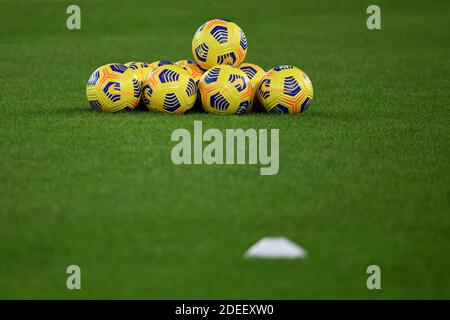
pixel 364 176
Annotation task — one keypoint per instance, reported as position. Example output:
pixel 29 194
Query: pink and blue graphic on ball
pixel 201 52
pixel 135 67
pixel 212 75
pixel 279 108
pixel 191 88
pixel 167 75
pixel 220 33
pixel 240 81
pixel 95 105
pixel 164 62
pixel 243 106
pixel 171 102
pixel 116 86
pixel 117 67
pixel 93 78
pixel 136 88
pixel 305 104
pixel 221 59
pixel 219 102
pixel 265 93
pixel 243 41
pixel 148 93
pixel 249 71
pixel 291 86
pixel 149 90
pixel 281 68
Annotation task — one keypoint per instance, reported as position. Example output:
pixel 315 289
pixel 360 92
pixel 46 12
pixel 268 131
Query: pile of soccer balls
pixel 218 79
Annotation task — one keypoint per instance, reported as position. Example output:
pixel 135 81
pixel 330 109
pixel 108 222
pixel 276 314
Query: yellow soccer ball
pixel 255 73
pixel 286 89
pixel 192 68
pixel 225 90
pixel 142 69
pixel 113 87
pixel 170 89
pixel 219 42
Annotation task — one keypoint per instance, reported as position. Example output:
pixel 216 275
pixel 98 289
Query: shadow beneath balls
pixel 197 108
pixel 141 107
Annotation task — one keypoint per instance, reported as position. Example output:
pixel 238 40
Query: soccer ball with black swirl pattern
pixel 113 87
pixel 219 42
pixel 285 89
pixel 170 89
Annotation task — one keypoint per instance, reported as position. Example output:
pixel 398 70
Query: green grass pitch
pixel 364 175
